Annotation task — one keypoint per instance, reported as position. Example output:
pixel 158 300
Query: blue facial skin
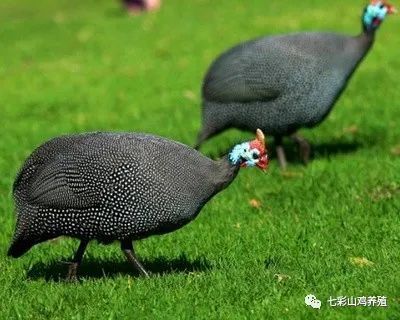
pixel 372 12
pixel 242 154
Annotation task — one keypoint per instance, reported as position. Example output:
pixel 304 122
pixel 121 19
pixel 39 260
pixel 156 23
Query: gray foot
pixel 72 272
pixel 304 148
pixel 75 263
pixel 281 157
pixel 280 153
pixel 127 248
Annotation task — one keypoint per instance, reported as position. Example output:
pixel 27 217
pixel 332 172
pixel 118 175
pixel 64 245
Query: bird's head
pixel 250 154
pixel 375 13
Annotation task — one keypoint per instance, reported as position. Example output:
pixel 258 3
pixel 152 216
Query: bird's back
pixel 291 78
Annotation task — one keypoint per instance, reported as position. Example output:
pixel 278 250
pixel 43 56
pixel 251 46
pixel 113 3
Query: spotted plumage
pixel 285 82
pixel 114 186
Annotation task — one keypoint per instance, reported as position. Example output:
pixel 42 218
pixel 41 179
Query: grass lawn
pixel 331 229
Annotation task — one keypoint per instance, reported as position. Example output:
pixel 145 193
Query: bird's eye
pixel 255 156
pixel 381 6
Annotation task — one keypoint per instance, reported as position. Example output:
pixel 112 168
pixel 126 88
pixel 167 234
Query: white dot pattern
pixel 113 186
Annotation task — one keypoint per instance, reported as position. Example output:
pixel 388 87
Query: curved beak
pixel 263 162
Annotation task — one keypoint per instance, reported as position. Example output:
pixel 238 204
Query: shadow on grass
pixel 97 269
pixel 323 150
pixel 328 149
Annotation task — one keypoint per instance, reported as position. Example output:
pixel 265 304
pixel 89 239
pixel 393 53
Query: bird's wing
pixel 241 75
pixel 228 80
pixel 266 68
pixel 60 184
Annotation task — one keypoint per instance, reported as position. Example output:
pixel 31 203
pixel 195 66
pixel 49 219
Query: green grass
pixel 74 66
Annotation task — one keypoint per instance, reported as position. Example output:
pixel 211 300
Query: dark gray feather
pixel 279 83
pixel 113 186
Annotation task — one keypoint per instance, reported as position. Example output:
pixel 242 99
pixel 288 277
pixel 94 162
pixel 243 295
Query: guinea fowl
pixel 283 83
pixel 118 186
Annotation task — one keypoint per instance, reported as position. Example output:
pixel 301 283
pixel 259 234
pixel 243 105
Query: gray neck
pixel 366 38
pixel 225 172
pixel 363 44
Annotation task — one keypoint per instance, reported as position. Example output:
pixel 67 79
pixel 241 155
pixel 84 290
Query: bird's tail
pixel 26 232
pixel 19 247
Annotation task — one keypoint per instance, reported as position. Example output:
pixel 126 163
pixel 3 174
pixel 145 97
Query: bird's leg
pixel 127 248
pixel 280 152
pixel 74 264
pixel 304 148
